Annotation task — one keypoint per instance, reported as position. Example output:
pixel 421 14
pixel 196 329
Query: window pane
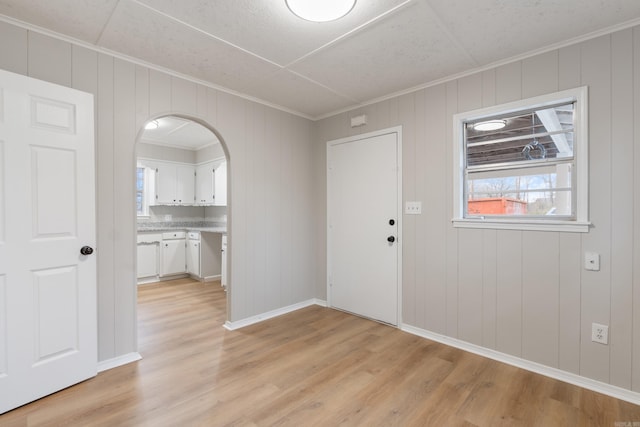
pixel 140 191
pixel 533 136
pixel 521 192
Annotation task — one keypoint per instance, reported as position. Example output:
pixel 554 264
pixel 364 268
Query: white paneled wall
pixel 271 217
pixel 518 292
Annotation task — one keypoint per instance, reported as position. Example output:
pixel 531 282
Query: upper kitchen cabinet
pixel 220 184
pixel 174 184
pixel 205 176
pixel 211 183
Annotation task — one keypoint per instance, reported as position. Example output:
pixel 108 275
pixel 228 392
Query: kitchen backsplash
pixel 185 214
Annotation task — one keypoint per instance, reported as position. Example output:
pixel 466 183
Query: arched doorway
pixel 181 190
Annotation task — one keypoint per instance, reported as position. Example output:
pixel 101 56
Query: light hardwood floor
pixel 313 367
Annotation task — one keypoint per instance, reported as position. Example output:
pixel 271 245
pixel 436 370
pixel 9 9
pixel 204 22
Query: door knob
pixel 391 239
pixel 86 250
pixel 392 222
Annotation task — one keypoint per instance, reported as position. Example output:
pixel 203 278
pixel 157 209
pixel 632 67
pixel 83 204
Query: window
pixel 523 165
pixel 142 202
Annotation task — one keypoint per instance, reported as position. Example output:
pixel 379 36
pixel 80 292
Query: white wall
pixel 270 176
pixel 153 151
pixel 521 293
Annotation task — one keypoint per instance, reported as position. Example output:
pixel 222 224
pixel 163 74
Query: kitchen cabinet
pixel 173 253
pixel 193 253
pixel 211 183
pixel 205 177
pixel 175 184
pixel 147 250
pixel 220 184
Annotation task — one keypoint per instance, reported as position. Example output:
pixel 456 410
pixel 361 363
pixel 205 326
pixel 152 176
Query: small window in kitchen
pixel 523 165
pixel 142 202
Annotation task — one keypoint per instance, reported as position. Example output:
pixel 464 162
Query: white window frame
pixel 145 192
pixel 580 222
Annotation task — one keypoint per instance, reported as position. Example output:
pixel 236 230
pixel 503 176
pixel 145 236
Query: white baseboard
pixel 232 326
pixel 558 374
pixel 118 361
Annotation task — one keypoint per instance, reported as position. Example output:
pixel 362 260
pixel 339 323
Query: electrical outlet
pixel 599 333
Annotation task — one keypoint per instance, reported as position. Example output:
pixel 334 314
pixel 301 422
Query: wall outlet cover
pixel 600 333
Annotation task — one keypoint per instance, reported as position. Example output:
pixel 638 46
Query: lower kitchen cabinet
pixel 193 253
pixel 173 253
pixel 147 250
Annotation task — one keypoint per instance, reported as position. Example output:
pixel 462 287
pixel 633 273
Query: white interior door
pixel 363 225
pixel 47 214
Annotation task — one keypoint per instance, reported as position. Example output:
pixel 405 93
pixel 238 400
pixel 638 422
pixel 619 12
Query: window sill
pixel 524 225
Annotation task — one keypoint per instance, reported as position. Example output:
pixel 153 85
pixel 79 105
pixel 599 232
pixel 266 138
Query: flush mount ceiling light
pixel 153 124
pixel 490 125
pixel 320 10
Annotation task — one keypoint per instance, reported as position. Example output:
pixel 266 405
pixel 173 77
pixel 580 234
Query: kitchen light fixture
pixel 153 124
pixel 320 10
pixel 490 125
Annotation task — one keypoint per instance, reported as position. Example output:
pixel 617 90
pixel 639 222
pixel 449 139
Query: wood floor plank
pixel 313 367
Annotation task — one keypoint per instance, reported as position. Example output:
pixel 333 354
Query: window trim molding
pixel 581 153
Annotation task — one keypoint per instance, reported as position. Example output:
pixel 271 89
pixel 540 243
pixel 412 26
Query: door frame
pixel 398 131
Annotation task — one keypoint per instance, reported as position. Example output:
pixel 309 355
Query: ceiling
pixel 383 47
pixel 178 133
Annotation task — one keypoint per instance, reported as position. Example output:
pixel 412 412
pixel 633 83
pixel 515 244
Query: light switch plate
pixel 413 208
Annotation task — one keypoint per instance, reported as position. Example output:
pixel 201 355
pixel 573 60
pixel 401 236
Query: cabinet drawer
pixel 193 235
pixel 149 238
pixel 174 235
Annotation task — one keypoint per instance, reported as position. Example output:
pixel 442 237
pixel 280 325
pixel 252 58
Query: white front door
pixel 48 333
pixel 363 225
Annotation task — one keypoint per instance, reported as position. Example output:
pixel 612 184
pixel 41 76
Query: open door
pixel 48 333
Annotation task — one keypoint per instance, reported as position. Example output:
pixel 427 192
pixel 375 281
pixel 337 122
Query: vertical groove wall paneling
pixel 49 59
pixel 124 205
pixel 621 327
pixel 540 272
pixel 635 350
pixel 407 110
pixel 105 196
pixel 13 49
pixel 451 246
pixel 435 210
pixel 470 273
pixel 596 285
pixel 569 336
pixel 424 194
pixel 142 97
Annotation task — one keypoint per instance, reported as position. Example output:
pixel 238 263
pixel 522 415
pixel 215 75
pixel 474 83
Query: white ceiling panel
pixel 267 28
pixel 382 47
pixel 179 133
pixel 83 20
pixel 403 51
pixel 300 94
pixel 493 30
pixel 137 31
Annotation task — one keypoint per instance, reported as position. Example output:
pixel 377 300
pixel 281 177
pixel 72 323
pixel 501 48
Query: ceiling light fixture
pixel 490 125
pixel 153 124
pixel 320 10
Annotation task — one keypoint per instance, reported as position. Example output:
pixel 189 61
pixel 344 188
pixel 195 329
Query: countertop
pixel 204 226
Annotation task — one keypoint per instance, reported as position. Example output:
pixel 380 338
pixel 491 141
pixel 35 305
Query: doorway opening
pixel 182 203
